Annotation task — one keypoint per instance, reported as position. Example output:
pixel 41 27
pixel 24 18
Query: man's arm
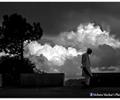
pixel 87 72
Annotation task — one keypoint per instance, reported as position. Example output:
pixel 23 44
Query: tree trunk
pixel 21 51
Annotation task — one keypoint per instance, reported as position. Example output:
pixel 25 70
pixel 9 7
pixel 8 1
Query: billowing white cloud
pixel 88 35
pixel 56 55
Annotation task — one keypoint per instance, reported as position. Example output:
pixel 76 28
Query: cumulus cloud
pixel 104 69
pixel 88 35
pixel 56 55
pixel 70 65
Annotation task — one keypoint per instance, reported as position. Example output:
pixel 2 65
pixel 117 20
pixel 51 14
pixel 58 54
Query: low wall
pixel 106 79
pixel 10 80
pixel 1 80
pixel 40 80
pixel 55 79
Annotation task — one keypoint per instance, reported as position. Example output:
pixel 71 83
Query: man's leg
pixel 87 81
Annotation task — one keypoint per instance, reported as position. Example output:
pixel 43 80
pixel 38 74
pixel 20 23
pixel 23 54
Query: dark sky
pixel 59 17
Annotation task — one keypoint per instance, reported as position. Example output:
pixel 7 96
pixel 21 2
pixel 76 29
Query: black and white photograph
pixel 59 49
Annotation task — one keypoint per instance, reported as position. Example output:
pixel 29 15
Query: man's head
pixel 89 51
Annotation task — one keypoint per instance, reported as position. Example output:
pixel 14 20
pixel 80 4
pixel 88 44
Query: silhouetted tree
pixel 14 31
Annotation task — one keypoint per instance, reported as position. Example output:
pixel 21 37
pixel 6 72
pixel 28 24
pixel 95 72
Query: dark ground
pixel 58 92
pixel 102 85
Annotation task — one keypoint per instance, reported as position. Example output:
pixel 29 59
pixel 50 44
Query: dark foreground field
pixel 51 86
pixel 59 92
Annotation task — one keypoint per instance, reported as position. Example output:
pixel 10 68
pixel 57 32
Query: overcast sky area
pixel 60 17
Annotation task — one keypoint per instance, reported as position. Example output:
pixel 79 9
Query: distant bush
pixel 15 65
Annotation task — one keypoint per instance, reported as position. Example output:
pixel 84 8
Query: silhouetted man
pixel 86 72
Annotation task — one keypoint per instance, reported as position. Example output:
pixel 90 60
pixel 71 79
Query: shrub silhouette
pixel 14 31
